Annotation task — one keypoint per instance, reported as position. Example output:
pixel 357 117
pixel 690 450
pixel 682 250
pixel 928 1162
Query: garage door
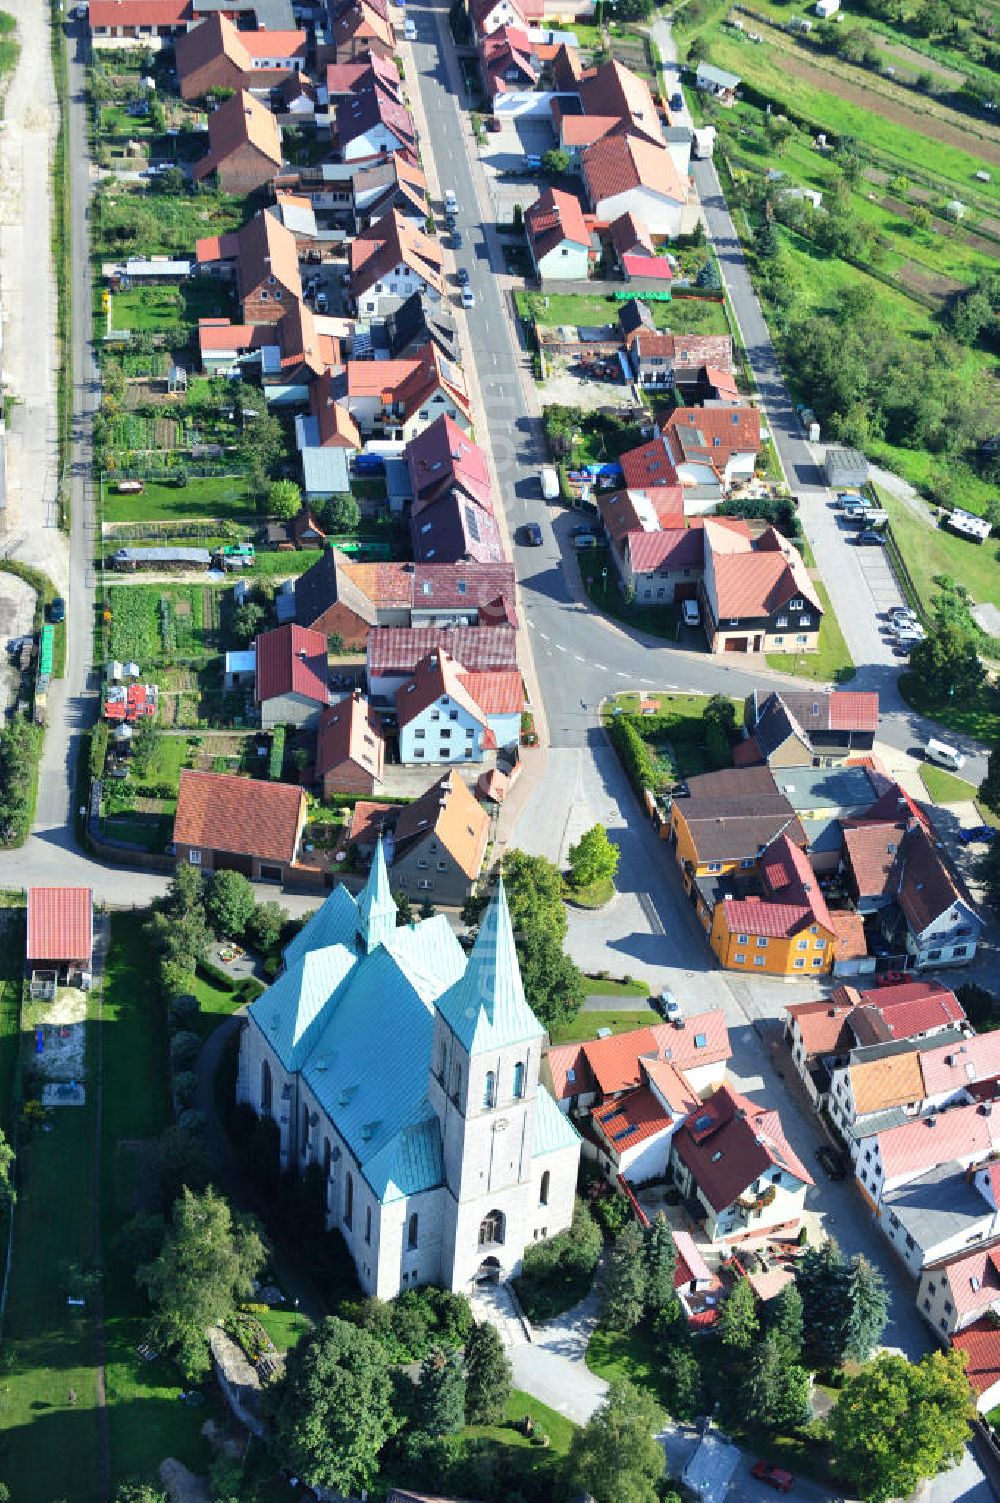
pixel 735 644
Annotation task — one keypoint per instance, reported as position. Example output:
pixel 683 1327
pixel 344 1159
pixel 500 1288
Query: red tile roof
pixel 710 434
pixel 220 334
pixel 553 218
pixel 688 353
pixel 241 120
pixel 647 510
pixel 349 732
pixel 619 162
pixel 137 13
pixel 570 1071
pixel 672 548
pixel 241 816
pixel 631 1119
pixel 927 888
pixel 795 899
pixel 957 1066
pixel 871 851
pixel 291 660
pixel 613 89
pixel 60 923
pixel 981 1344
pixel 961 1132
pixel 368 821
pixel 914 1007
pixel 649 464
pixel 850 943
pixel 434 676
pixel 756 579
pixel 496 693
pixel 398 649
pixel 617 1063
pixel 731 1143
pixel 824 1027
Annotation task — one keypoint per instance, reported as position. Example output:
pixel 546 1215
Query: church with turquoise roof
pixel 408 1071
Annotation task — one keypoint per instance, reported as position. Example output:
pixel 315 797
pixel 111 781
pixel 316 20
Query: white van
pixel 944 755
pixel 550 484
pixel 691 613
pixel 450 201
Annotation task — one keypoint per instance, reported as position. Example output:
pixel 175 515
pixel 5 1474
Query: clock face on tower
pixel 501 1125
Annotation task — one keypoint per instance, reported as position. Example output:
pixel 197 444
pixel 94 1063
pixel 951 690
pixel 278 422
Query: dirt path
pixel 860 88
pixel 28 296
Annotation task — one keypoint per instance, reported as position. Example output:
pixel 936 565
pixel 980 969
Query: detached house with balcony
pixel 390 262
pixel 714 449
pixel 733 1159
pixel 662 361
pixel 448 715
pixel 756 594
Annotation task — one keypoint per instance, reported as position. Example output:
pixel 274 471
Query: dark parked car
pixel 774 1476
pixel 57 609
pixel 531 534
pixel 493 124
pixel 869 538
pixel 456 241
pixel 677 101
pixel 831 1162
pixel 451 220
pixel 985 833
pixel 463 276
pixel 580 530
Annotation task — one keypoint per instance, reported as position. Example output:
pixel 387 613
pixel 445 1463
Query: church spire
pixel 376 908
pixel 487 1007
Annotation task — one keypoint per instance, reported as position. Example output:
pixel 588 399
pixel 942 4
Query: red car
pixel 774 1476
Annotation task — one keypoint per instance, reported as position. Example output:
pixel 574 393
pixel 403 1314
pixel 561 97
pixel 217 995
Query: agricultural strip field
pixel 843 102
pixel 156 621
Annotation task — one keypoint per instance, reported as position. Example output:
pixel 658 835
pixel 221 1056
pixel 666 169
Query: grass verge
pixel 944 787
pixel 593 895
pixel 62 257
pixel 587 1025
pixel 831 663
pixel 977 715
pixel 603 986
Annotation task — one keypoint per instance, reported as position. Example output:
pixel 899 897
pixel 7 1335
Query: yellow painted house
pixel 727 819
pixel 787 929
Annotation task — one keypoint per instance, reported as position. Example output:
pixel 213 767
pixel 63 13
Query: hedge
pixel 276 760
pixel 633 754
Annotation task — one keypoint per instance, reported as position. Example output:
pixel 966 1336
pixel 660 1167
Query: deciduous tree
pixel 897 1422
pixel 616 1457
pixel 208 1261
pixel 593 859
pixel 248 619
pixel 230 904
pixel 284 499
pixel 266 924
pixel 332 1411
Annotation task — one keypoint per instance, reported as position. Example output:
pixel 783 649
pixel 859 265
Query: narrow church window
pixel 265 1088
pixel 456 1082
pixel 490 1089
pixel 327 1155
pixel 368 1225
pixel 305 1128
pixel 411 1237
pixel 543 1192
pixel 349 1202
pixel 518 1080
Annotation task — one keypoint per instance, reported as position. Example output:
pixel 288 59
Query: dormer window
pixel 795 605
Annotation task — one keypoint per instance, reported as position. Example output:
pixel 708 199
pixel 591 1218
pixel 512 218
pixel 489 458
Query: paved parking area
pixel 504 153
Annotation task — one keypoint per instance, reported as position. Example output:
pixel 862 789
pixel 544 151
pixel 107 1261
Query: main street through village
pixel 576 659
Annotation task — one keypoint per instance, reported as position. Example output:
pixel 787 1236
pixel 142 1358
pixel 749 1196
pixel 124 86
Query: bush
pixel 176 975
pixel 183 1009
pixel 217 975
pixel 416 1322
pixel 185 1085
pixel 558 1273
pixel 633 754
pixel 611 1207
pixel 184 1048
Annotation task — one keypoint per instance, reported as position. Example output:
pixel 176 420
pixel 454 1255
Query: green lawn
pixel 831 663
pixel 929 550
pixel 151 832
pixel 215 1002
pixel 169 756
pixel 684 315
pixel 587 1025
pixel 944 787
pixel 153 309
pixel 594 895
pixel 601 986
pixel 677 746
pixel 600 581
pixel 285 1327
pixel 201 499
pixel 978 717
pixel 145 1418
pixel 636 1357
